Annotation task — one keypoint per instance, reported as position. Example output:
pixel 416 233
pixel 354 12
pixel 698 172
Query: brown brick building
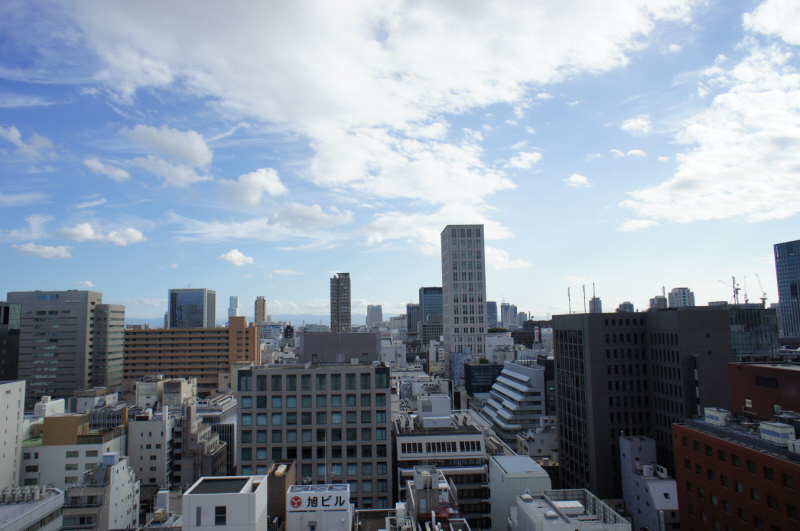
pixel 762 390
pixel 730 479
pixel 200 353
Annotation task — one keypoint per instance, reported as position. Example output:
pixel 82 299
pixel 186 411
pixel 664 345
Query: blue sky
pixel 256 148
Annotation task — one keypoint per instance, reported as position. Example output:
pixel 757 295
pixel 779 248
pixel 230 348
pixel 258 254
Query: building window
pixel 247 419
pixel 220 515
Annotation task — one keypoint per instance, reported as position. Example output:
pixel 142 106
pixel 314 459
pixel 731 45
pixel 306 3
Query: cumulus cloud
pixel 630 225
pixel 744 154
pixel 674 47
pixel 250 188
pixel 776 17
pixel 617 153
pixel 576 181
pixel 499 259
pixel 593 156
pixel 84 284
pixel 34 231
pixel 12 200
pixel 43 251
pixel 636 153
pixel 87 232
pixel 177 175
pixel 524 160
pixel 33 148
pixel 186 147
pixel 236 258
pixel 544 96
pixel 640 124
pixel 98 167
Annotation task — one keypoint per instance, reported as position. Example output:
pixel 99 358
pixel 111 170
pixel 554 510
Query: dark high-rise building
pixel 260 309
pixel 340 303
pixel 10 314
pixel 787 268
pixel 412 319
pixel 638 374
pixel 192 308
pixel 430 303
pixel 491 314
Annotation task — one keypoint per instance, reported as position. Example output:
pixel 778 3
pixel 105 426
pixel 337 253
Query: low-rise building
pixel 564 510
pixel 512 476
pixel 12 400
pixel 230 502
pixel 31 508
pixel 319 507
pixel 651 496
pixel 150 445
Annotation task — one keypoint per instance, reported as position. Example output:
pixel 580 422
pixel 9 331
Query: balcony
pixel 79 527
pixel 79 505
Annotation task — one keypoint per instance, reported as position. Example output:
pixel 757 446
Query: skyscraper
pixel 430 303
pixel 374 315
pixel 491 314
pixel 233 310
pixel 69 340
pixel 595 305
pixel 787 267
pixel 463 288
pixel 340 302
pixel 260 309
pixel 9 340
pixel 412 318
pixel 192 308
pixel 680 297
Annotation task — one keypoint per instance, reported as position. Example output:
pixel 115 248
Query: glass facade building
pixel 430 303
pixel 787 269
pixel 9 340
pixel 192 308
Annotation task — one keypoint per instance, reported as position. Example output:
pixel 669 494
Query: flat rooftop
pixel 219 486
pixel 518 464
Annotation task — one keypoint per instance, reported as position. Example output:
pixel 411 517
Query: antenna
pixel 593 294
pixel 746 300
pixel 569 299
pixel 584 298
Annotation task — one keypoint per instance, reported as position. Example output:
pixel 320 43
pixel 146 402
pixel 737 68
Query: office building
pixel 517 400
pixel 508 313
pixel 626 306
pixel 412 319
pixel 479 377
pixel 658 302
pixel 219 413
pixel 564 510
pixel 763 390
pixel 463 288
pixel 430 303
pixel 69 340
pixel 191 352
pixel 640 373
pixel 491 314
pixel 233 310
pixel 106 497
pixel 10 314
pixel 651 496
pixel 734 473
pixel 12 401
pixel 335 347
pixel 787 269
pixel 680 297
pixel 431 330
pixel 340 303
pixel 333 419
pixel 374 315
pixel 512 476
pixel 151 438
pixel 260 309
pixel 595 305
pixel 198 450
pixel 32 508
pixel 192 308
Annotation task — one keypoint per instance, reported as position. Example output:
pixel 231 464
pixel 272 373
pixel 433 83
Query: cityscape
pixel 400 266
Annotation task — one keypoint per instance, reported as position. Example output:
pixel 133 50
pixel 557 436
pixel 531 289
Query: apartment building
pixel 200 353
pixel 12 397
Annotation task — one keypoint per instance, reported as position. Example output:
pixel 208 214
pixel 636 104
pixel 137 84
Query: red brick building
pixel 730 479
pixel 761 390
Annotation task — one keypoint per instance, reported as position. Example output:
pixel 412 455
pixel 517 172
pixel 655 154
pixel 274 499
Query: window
pixel 366 417
pixel 772 502
pixel 350 401
pixel 769 473
pixel 277 402
pixel 291 419
pixel 366 485
pixel 247 419
pixel 322 417
pixel 322 401
pixel 380 399
pixel 291 382
pixel 739 487
pixel 220 515
pixel 382 469
pixel 723 480
pixel 247 436
pixel 261 436
pixel 791 511
pixel 721 455
pixel 277 436
pixel 261 419
pixel 736 461
pixel 93 453
pixel 261 382
pixel 336 417
pixel 382 485
pixel 366 400
pixel 336 469
pixel 351 417
pixel 305 419
pixel 380 417
pixel 247 454
pixel 754 494
pixel 291 401
pixel 261 454
pixel 366 434
pixel 352 469
pixel 350 382
pixel 336 401
pixel 366 381
pixel 306 435
pixel 291 436
pixel 380 434
pixel 276 383
pixel 305 401
pixel 751 467
pixel 305 382
pixel 336 382
pixel 788 481
pixel 72 454
pixel 247 402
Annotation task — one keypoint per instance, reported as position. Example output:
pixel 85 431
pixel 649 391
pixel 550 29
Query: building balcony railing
pixel 82 505
pixel 79 527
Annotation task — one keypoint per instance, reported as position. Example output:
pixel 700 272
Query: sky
pixel 256 148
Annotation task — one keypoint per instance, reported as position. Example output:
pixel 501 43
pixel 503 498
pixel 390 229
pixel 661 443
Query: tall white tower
pixel 233 311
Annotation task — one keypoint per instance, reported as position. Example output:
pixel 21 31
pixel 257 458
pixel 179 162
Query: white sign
pixel 314 501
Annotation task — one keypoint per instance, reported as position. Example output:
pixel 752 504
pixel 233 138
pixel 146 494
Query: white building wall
pixel 245 511
pixel 149 447
pixel 49 465
pixel 509 478
pixel 12 400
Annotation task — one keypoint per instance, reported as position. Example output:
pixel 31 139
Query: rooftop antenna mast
pixel 569 299
pixel 746 300
pixel 584 298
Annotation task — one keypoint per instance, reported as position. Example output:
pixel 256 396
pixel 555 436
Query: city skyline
pixel 135 145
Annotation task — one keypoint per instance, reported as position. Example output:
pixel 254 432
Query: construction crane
pixel 735 287
pixel 763 293
pixel 746 300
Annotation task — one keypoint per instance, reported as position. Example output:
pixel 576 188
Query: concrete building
pixel 434 434
pixel 340 303
pixel 479 377
pixel 319 507
pixel 233 309
pixel 219 413
pixel 431 330
pixel 153 391
pixel 732 476
pixel 680 297
pixel 432 501
pixel 651 496
pixel 512 476
pixel 197 449
pixel 564 510
pixel 412 321
pixel 229 502
pixel 260 309
pixel 12 401
pixel 787 269
pixel 69 340
pixel 151 446
pixel 658 302
pixel 191 352
pixel 338 347
pixel 641 373
pixel 107 497
pixel 626 306
pixel 762 390
pixel 374 315
pixel 333 419
pixel 35 508
pixel 540 444
pixel 463 288
pixel 10 314
pixel 63 447
pixel 595 305
pixel 192 308
pixel 517 400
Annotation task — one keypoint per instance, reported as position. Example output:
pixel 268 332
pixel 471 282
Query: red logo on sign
pixel 296 502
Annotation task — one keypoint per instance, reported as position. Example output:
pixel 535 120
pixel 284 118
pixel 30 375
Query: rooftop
pixel 518 464
pixel 230 485
pixel 740 433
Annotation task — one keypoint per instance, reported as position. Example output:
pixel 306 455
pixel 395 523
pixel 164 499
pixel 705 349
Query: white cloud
pixel 674 47
pixel 286 272
pixel 87 232
pixel 776 17
pixel 499 259
pixel 636 153
pixel 177 175
pixel 34 230
pixel 524 160
pixel 520 144
pixel 84 284
pixel 573 103
pixel 593 156
pixel 12 200
pixel 187 147
pixel 251 188
pixel 576 181
pixel 173 266
pixel 663 159
pixel 744 158
pixel 96 166
pixel 33 148
pixel 15 101
pixel 308 218
pixel 43 251
pixel 530 129
pixel 630 225
pixel 236 258
pixel 617 153
pixel 640 124
pixel 544 96
pixel 90 204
